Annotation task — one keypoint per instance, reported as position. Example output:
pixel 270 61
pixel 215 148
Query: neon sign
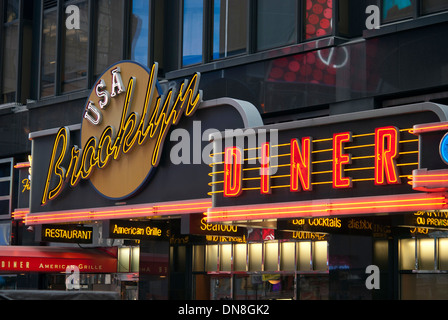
pixel 232 172
pixel 340 159
pixel 443 148
pixel 67 234
pixel 386 151
pixel 120 128
pixel 301 165
pixel 385 154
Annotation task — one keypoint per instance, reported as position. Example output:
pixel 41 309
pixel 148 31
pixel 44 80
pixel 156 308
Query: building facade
pixel 225 149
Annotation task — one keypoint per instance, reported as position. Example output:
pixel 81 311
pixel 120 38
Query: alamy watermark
pixel 208 147
pixel 373 20
pixel 373 280
pixel 73 20
pixel 72 278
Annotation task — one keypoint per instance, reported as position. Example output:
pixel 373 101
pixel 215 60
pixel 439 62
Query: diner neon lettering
pixel 133 130
pixel 301 165
pixel 233 172
pixel 340 159
pixel 386 171
pixel 386 151
pixel 265 169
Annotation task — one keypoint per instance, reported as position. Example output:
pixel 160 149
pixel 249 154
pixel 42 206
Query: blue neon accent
pixel 444 148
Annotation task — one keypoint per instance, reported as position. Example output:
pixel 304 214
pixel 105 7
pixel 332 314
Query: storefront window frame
pixel 218 271
pixel 216 27
pixel 433 267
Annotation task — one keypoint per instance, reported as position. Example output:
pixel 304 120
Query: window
pixel 75 51
pixel 230 25
pixel 49 37
pixel 72 58
pixel 318 18
pixel 109 34
pixel 6 183
pixel 397 9
pixel 393 10
pixel 431 6
pixel 276 23
pixel 10 51
pixel 140 31
pixel 219 29
pixel 193 17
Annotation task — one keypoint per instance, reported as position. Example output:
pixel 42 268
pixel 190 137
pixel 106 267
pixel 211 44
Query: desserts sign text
pixel 124 123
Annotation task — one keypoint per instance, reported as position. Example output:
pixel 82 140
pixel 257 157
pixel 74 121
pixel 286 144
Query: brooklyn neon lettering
pixel 233 172
pixel 134 130
pixel 301 165
pixel 340 159
pixel 386 151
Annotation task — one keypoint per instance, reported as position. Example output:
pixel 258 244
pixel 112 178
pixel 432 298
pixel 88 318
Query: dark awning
pixel 57 259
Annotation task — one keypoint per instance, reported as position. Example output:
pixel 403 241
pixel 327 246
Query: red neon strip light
pixel 265 183
pixel 330 207
pixel 429 181
pixel 386 151
pixel 340 159
pixel 20 214
pixel 121 212
pixel 22 165
pixel 301 165
pixel 233 177
pixel 429 127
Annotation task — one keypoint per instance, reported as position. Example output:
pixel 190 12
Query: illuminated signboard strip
pixel 429 127
pixel 20 214
pixel 388 163
pixel 429 180
pixel 328 207
pixel 146 210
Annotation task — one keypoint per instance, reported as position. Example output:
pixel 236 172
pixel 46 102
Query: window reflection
pixel 430 6
pixel 11 10
pixel 397 9
pixel 318 18
pixel 49 35
pixel 75 51
pixel 192 32
pixel 109 34
pixel 229 28
pixel 276 23
pixel 11 33
pixel 140 31
pixel 264 287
